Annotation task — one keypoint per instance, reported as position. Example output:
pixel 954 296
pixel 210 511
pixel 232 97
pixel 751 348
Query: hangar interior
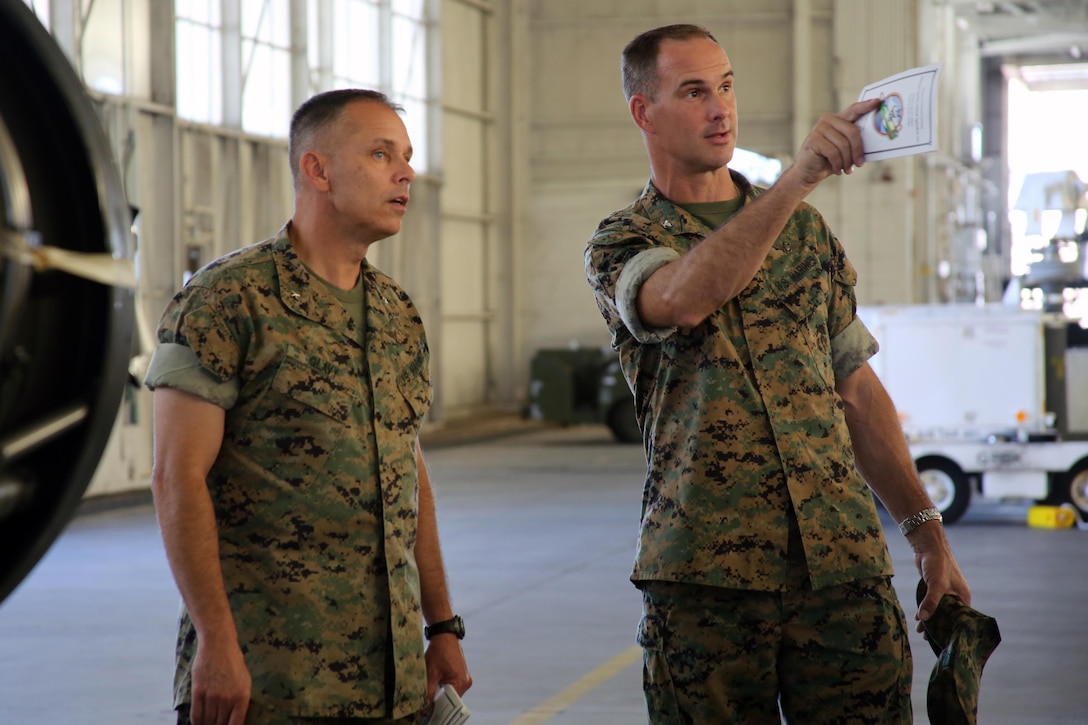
pixel 523 143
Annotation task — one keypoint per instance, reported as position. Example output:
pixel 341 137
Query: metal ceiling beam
pixel 1047 44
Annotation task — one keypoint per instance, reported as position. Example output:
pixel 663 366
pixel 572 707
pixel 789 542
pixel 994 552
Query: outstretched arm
pixel 688 290
pixel 883 459
pixel 445 658
pixel 188 435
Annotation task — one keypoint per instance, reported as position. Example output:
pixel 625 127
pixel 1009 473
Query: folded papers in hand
pixel 448 708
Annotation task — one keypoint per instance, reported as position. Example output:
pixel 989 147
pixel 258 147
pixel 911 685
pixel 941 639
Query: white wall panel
pixel 463 276
pixel 649 13
pixel 463 356
pixel 875 208
pixel 567 215
pixel 581 126
pixel 464 385
pixel 464 55
pixel 463 345
pixel 463 164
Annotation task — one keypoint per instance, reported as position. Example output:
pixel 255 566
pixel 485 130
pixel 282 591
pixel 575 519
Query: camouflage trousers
pixel 257 715
pixel 835 656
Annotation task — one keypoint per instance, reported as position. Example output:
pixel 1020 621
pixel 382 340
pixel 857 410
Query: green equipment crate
pixel 582 385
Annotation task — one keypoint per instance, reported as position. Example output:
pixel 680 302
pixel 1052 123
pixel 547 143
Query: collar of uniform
pixel 381 298
pixel 665 213
pixel 300 292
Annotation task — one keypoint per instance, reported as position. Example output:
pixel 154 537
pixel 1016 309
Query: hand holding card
pixel 906 122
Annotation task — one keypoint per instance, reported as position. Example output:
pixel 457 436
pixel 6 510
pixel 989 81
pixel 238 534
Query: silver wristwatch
pixel 911 523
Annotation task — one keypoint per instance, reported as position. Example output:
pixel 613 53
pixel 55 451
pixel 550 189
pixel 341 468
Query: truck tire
pixel 1071 487
pixel 946 484
pixel 621 421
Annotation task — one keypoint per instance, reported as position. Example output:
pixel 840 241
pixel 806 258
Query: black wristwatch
pixel 455 626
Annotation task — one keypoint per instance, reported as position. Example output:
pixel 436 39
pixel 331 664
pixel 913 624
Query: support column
pixel 232 63
pixel 300 61
pixel 802 58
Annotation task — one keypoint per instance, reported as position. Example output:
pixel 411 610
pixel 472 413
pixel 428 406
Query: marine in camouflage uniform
pixel 315 485
pixel 751 482
pixel 288 407
pixel 761 557
pixel 747 396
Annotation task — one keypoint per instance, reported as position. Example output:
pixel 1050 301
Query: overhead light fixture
pixel 1055 77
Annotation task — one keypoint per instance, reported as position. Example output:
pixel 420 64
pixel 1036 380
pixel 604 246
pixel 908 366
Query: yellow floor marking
pixel 570 694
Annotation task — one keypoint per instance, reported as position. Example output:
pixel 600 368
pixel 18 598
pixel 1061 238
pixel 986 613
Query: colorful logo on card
pixel 888 119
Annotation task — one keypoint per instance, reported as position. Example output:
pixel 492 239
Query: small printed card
pixel 448 709
pixel 906 122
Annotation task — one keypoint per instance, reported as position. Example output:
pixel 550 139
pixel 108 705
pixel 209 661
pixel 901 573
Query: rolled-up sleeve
pixel 637 270
pixel 851 348
pixel 197 351
pixel 851 342
pixel 177 366
pixel 620 257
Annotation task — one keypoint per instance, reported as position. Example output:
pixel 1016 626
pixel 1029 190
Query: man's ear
pixel 640 112
pixel 312 166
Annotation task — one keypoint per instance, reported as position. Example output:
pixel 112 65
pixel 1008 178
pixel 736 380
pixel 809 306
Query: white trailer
pixel 993 400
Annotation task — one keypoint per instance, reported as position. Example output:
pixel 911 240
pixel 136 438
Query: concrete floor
pixel 538 530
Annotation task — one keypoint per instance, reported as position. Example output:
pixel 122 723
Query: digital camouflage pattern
pixel 837 655
pixel 740 417
pixel 315 487
pixel 963 639
pixel 258 715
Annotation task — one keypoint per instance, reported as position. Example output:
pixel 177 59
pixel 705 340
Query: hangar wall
pixel 795 60
pixel 531 146
pixel 205 190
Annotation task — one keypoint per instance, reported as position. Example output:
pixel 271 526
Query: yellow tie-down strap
pixel 97 267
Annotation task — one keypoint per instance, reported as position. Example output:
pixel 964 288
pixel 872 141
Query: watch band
pixel 911 523
pixel 454 626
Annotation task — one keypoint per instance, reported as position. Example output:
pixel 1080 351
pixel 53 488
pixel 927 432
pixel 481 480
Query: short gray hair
pixel 321 111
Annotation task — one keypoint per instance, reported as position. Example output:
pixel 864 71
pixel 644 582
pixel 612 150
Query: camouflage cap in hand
pixel 963 639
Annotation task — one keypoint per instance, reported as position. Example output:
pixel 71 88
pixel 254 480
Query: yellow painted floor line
pixel 570 694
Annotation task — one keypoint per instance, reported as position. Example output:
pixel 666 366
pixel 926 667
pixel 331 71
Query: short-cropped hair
pixel 639 64
pixel 321 111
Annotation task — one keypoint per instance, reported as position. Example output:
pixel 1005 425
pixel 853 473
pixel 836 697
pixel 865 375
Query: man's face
pixel 693 117
pixel 367 155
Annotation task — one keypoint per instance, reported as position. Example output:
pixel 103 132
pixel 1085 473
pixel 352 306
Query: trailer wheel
pixel 1072 488
pixel 621 421
pixel 947 486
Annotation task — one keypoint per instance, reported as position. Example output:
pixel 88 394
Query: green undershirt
pixel 714 213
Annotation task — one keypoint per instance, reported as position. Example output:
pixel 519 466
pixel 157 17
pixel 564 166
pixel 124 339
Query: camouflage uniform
pixel 744 432
pixel 315 486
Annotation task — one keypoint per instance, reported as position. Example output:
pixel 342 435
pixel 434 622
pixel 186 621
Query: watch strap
pixel 454 626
